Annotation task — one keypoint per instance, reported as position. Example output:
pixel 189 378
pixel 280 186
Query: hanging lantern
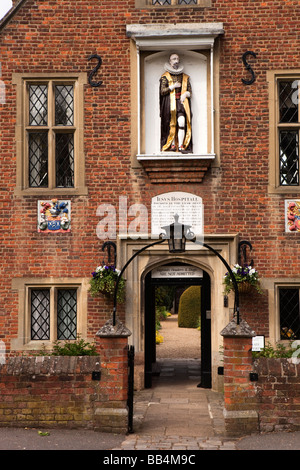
pixel 177 234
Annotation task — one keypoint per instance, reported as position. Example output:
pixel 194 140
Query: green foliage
pixel 70 348
pixel 164 296
pixel 280 350
pixel 76 348
pixel 190 308
pixel 161 313
pixel 242 274
pixel 103 281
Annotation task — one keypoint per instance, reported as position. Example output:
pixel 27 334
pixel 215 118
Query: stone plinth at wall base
pixel 113 420
pixel 239 423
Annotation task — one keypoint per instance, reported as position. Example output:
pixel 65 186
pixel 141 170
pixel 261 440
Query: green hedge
pixel 189 311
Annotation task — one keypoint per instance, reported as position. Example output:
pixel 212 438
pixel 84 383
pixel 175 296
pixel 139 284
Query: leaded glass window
pixel 175 2
pixel 40 314
pixel 66 314
pixel 187 2
pixel 53 313
pixel 288 132
pixel 50 135
pixel 289 157
pixel 64 160
pixel 38 159
pixel 64 105
pixel 161 2
pixel 38 105
pixel 289 306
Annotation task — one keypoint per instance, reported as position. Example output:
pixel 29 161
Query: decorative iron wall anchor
pixel 249 68
pixel 111 249
pixel 95 70
pixel 242 253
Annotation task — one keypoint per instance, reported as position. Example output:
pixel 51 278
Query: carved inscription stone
pixel 165 206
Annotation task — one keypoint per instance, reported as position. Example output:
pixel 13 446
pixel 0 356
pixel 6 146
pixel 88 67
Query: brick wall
pixel 56 391
pixel 278 394
pixel 240 401
pixel 261 395
pixel 235 195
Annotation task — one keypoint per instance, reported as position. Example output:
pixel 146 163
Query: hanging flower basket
pixel 245 287
pixel 246 277
pixel 104 280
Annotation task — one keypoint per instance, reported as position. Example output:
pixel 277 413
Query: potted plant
pixel 246 277
pixel 104 280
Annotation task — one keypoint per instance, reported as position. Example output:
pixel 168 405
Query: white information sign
pixel 187 206
pixel 176 271
pixel 258 343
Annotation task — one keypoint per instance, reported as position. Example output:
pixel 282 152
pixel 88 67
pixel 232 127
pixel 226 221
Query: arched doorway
pixel 178 280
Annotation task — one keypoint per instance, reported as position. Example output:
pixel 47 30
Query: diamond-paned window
pixel 66 314
pixel 64 105
pixel 187 2
pixel 48 105
pixel 175 2
pixel 289 305
pixel 53 313
pixel 288 101
pixel 289 157
pixel 161 2
pixel 38 160
pixel 288 132
pixel 64 160
pixel 50 135
pixel 40 314
pixel 38 105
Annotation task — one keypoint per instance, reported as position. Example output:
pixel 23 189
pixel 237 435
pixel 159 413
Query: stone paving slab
pixel 177 415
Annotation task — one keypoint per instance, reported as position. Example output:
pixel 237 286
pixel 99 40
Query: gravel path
pixel 178 342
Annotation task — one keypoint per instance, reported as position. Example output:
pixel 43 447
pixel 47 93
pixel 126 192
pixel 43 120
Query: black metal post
pixel 236 289
pixel 130 387
pixel 122 271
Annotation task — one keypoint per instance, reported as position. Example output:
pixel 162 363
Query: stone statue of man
pixel 175 111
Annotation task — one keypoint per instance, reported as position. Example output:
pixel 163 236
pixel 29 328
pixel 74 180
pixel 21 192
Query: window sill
pixel 42 192
pixel 284 190
pixel 143 4
pixel 176 167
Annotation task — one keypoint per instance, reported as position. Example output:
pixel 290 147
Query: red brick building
pixel 85 145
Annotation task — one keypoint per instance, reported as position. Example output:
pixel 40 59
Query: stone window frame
pixel 295 286
pixel 272 286
pixel 174 4
pixel 22 185
pixel 273 79
pixel 23 286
